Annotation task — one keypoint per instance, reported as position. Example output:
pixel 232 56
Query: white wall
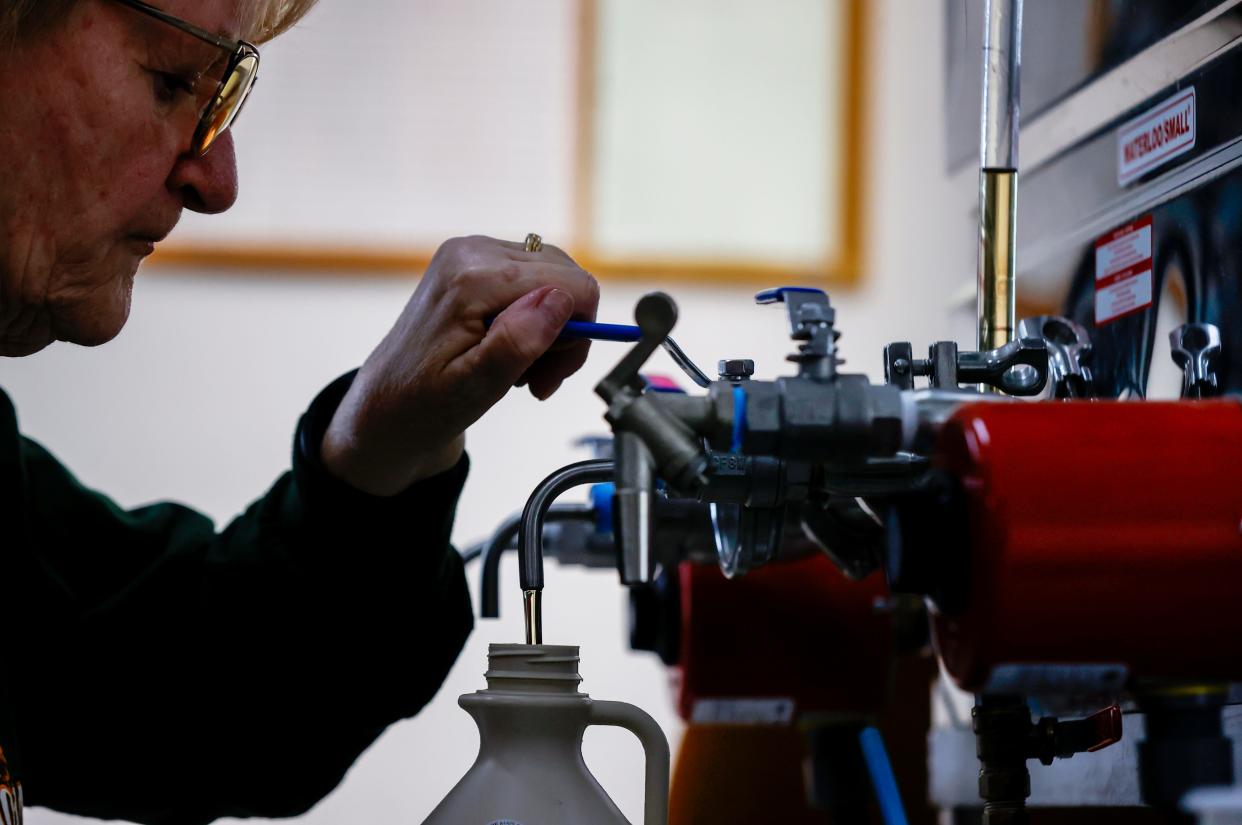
pixel 399 122
pixel 197 400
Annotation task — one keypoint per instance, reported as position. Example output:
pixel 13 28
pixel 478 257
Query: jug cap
pixel 542 668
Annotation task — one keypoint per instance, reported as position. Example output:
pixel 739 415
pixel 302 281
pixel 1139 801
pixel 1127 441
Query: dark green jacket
pixel 155 670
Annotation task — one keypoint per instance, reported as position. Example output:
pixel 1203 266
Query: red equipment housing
pixel 798 630
pixel 1100 532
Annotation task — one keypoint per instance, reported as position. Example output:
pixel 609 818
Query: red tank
pixel 794 630
pixel 1100 532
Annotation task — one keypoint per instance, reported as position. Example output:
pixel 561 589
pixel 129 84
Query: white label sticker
pixel 1057 678
pixel 1152 138
pixel 743 712
pixel 1123 271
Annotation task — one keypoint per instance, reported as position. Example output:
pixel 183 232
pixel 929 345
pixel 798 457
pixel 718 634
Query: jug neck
pixel 511 729
pixel 533 669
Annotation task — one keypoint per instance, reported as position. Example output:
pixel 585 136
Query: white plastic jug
pixel 530 769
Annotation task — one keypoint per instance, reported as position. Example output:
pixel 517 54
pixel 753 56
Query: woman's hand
pixel 441 367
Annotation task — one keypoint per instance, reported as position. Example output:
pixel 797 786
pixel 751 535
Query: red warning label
pixel 1123 271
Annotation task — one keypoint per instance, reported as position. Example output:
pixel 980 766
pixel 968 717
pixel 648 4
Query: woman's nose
pixel 207 184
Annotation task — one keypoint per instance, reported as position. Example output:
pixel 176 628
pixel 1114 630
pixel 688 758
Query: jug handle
pixel 637 722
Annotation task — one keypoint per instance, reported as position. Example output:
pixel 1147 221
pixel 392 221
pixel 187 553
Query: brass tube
pixel 998 208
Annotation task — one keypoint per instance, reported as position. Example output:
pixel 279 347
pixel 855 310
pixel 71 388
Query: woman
pixel 156 670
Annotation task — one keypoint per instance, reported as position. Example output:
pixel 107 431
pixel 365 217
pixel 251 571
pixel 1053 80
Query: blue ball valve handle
pixel 577 330
pixel 627 334
pixel 591 330
pixel 811 319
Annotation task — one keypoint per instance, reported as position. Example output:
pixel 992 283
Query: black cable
pixel 489 576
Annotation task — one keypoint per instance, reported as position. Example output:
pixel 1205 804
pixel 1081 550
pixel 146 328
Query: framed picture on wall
pixel 722 138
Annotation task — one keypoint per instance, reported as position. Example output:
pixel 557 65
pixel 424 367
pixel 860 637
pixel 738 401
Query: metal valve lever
pixel 675 452
pixel 1001 368
pixel 1052 738
pixel 1069 351
pixel 1195 350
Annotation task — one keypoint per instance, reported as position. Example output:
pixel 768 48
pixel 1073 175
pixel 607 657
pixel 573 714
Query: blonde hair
pixel 265 20
pixel 270 18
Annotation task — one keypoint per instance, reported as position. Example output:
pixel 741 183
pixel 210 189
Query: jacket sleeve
pixel 174 675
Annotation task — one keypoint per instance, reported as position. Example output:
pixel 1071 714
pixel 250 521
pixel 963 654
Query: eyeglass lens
pixel 228 103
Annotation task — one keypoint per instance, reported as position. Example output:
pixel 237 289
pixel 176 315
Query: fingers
pixel 547 252
pixel 483 276
pixel 548 372
pixel 570 279
pixel 520 335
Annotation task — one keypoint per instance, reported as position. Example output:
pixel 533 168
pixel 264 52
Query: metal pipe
pixel 1002 51
pixel 530 536
pixel 998 176
pixel 636 486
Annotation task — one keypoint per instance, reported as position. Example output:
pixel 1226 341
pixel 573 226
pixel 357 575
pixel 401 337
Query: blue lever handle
pixel 625 333
pixel 578 330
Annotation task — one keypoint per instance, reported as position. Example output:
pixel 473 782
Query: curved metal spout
pixel 530 536
pixel 502 540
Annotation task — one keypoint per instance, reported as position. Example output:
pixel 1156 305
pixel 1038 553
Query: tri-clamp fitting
pixel 1069 353
pixel 1196 349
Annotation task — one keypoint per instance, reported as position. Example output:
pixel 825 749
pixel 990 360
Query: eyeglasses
pixel 238 79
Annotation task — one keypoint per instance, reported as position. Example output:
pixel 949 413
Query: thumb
pixel 522 333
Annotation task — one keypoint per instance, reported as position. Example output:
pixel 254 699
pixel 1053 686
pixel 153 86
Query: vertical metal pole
pixel 998 177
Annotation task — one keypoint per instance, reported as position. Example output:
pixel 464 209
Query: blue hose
pixel 882 778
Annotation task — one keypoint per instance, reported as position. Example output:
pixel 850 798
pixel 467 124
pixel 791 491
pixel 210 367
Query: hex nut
pixel 735 369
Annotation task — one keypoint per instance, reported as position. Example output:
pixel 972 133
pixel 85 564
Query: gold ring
pixel 534 243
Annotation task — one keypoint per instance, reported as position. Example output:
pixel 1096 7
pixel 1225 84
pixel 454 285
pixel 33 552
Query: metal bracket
pixel 947 368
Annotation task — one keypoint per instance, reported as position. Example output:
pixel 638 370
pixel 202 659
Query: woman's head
pixel 94 160
pixel 263 20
